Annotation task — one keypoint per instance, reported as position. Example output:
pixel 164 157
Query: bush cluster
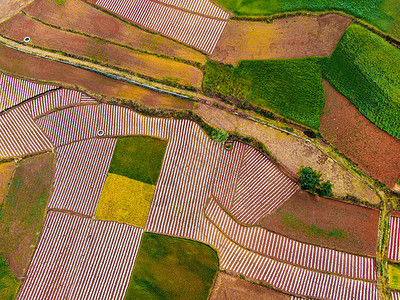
pixel 310 180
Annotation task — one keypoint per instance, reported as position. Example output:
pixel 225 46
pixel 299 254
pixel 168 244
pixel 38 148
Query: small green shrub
pixel 310 180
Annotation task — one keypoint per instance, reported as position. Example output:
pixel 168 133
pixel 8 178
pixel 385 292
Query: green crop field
pixel 139 158
pixel 383 14
pixel 291 88
pixel 172 268
pixel 8 283
pixel 23 211
pixel 394 276
pixel 366 70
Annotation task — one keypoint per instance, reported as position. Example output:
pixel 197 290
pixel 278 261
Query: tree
pixel 325 189
pixel 310 180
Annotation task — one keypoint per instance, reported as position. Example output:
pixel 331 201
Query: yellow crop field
pixel 125 200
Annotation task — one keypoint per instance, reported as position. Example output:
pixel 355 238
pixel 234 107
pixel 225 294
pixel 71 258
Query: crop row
pixel 204 7
pixel 192 29
pixel 394 239
pixel 282 248
pixel 81 258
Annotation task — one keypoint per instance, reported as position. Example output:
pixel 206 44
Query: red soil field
pixel 71 14
pixel 293 37
pixel 142 63
pixel 21 64
pixel 327 223
pixel 227 287
pixel 375 151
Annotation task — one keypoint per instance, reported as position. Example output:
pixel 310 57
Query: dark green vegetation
pixel 139 158
pixel 172 268
pixel 291 88
pixel 8 284
pixel 384 14
pixel 23 211
pixel 219 135
pixel 310 180
pixel 366 70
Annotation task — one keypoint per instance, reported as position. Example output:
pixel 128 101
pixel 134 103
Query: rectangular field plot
pixel 394 239
pixel 195 30
pixel 81 258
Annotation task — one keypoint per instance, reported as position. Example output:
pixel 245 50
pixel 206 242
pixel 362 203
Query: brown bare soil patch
pixel 9 8
pixel 376 152
pixel 6 171
pixel 291 152
pixel 79 16
pixel 292 37
pixel 326 222
pixel 41 35
pixel 33 67
pixel 228 287
pixel 23 210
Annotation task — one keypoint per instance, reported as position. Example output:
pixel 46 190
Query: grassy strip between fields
pixel 6 171
pixel 394 276
pixel 23 211
pixel 291 88
pixel 139 158
pixel 172 268
pixel 125 200
pixel 384 14
pixel 366 70
pixel 8 283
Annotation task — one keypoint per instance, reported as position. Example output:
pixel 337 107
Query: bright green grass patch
pixel 23 211
pixel 172 268
pixel 139 158
pixel 384 14
pixel 125 200
pixel 291 88
pixel 394 276
pixel 8 283
pixel 366 69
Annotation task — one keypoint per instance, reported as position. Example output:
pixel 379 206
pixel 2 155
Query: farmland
pixel 291 88
pixel 8 283
pixel 97 50
pixel 169 267
pixel 382 14
pixel 364 68
pixel 394 276
pixel 6 171
pixel 23 210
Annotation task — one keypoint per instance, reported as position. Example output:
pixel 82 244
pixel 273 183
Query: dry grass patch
pixel 125 200
pixel 97 23
pixel 6 171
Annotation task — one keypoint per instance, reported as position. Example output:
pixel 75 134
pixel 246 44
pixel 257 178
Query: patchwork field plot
pixel 72 12
pixel 284 249
pixel 41 69
pixel 14 90
pixel 142 63
pixel 81 171
pixel 365 69
pixel 327 223
pixel 195 30
pixel 8 283
pixel 6 171
pixel 96 259
pixel 230 287
pixel 394 276
pixel 375 151
pixel 294 37
pixel 19 134
pixel 394 239
pixel 169 267
pixel 23 210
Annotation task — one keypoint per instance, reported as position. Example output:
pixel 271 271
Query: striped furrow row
pixel 81 171
pixel 394 239
pixel 83 122
pixel 19 135
pixel 261 188
pixel 227 174
pixel 56 100
pixel 282 248
pixel 14 90
pixel 81 258
pixel 395 295
pixel 184 183
pixel 204 7
pixel 195 30
pixel 289 278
